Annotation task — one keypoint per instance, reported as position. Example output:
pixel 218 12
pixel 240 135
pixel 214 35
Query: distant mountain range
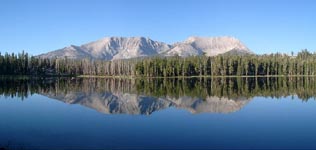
pixel 111 48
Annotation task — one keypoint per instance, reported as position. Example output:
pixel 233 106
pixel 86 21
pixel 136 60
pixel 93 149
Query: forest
pixel 304 63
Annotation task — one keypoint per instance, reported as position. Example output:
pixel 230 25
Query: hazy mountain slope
pixel 73 52
pixel 111 48
pixel 210 46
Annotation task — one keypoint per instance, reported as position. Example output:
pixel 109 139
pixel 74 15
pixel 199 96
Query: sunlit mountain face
pixel 113 48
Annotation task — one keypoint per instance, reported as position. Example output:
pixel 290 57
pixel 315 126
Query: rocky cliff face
pixel 112 48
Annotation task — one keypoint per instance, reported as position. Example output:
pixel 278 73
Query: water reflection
pixel 145 96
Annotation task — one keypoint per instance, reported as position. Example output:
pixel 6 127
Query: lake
pixel 189 113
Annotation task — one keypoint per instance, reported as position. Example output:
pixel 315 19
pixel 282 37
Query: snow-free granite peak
pixel 111 48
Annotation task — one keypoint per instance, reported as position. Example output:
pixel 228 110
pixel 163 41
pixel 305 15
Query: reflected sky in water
pixel 40 122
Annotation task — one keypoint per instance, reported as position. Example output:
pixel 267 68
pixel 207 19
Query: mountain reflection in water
pixel 145 96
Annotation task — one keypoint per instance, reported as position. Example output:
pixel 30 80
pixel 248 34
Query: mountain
pixel 111 48
pixel 209 46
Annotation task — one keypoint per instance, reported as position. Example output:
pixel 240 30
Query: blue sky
pixel 265 26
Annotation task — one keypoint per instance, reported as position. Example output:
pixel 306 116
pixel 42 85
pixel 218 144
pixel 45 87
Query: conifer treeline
pixel 23 64
pixel 222 65
pixel 229 65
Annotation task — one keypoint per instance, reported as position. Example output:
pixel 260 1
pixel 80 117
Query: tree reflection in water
pixel 147 95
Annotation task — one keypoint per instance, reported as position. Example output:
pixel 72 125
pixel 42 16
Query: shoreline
pixel 135 77
pixel 143 77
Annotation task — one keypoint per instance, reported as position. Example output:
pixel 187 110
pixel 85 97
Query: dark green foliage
pixel 23 64
pixel 222 65
pixel 229 65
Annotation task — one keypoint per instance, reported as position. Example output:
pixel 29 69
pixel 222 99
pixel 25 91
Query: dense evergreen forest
pixel 304 63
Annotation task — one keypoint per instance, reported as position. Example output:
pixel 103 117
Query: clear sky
pixel 265 26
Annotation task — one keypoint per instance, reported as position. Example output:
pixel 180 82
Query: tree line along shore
pixel 303 64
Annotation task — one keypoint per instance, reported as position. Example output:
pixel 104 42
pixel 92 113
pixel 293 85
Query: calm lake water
pixel 212 113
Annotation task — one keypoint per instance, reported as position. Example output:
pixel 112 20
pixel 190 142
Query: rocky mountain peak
pixel 110 48
pixel 211 46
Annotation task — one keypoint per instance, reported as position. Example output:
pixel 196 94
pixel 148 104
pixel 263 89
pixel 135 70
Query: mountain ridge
pixel 112 48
